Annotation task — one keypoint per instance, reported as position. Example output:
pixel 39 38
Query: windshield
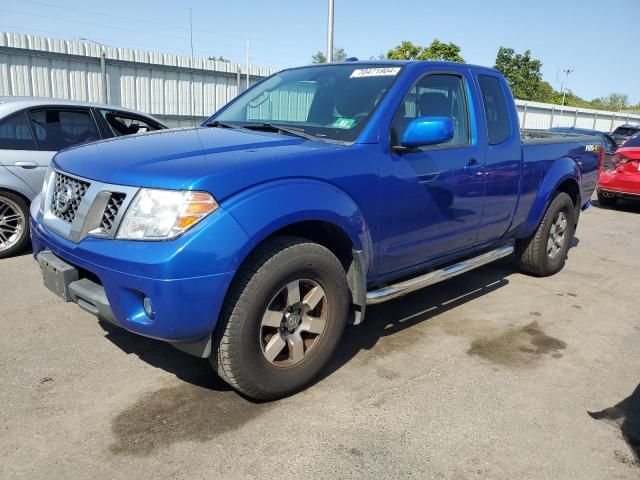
pixel 331 102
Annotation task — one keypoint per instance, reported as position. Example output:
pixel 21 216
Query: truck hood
pixel 221 161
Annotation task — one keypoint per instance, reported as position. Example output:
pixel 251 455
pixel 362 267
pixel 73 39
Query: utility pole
pixel 330 33
pixel 564 84
pixel 103 68
pixel 193 98
pixel 247 62
pixel 191 32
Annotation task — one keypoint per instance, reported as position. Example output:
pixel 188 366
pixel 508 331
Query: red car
pixel 622 178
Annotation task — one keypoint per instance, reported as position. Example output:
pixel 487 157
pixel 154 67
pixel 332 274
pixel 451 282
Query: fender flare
pixel 268 207
pixel 562 170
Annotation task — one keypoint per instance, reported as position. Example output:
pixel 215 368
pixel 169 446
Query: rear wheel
pixel 606 201
pixel 14 224
pixel 283 319
pixel 544 253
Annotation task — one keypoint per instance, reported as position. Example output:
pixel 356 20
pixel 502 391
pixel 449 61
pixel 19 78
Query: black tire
pixel 532 253
pixel 237 353
pixel 606 201
pixel 10 202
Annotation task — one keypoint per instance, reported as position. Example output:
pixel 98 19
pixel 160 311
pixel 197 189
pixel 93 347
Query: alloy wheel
pixel 293 322
pixel 12 224
pixel 557 235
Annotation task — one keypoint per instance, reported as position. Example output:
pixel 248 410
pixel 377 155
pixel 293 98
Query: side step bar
pixel 399 289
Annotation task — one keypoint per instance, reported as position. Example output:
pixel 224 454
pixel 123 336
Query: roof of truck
pixel 433 63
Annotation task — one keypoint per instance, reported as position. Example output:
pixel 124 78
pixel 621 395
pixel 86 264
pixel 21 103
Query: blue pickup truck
pixel 255 238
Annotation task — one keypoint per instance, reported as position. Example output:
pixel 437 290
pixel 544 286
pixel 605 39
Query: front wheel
pixel 283 319
pixel 14 224
pixel 544 253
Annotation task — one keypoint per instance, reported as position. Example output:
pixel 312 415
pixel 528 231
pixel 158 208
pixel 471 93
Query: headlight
pixel 164 214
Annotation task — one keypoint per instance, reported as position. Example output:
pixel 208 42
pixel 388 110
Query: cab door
pixel 432 197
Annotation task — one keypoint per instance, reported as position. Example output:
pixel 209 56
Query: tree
pixel 436 51
pixel 618 100
pixel 522 73
pixel 339 55
pixel 405 51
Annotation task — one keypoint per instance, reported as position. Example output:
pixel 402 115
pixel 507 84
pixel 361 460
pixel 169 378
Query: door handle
pixel 26 164
pixel 472 167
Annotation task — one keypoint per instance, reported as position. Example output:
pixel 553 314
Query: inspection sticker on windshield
pixel 345 123
pixel 375 72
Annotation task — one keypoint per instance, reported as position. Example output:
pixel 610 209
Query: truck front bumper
pixel 182 311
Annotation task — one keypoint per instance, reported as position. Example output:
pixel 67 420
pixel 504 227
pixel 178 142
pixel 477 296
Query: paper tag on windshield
pixel 375 72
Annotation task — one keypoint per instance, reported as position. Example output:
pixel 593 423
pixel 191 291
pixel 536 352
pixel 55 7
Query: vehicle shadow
pixel 156 353
pixel 395 316
pixel 625 416
pixel 383 320
pixel 622 206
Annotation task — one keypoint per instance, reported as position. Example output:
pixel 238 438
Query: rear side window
pixel 495 108
pixel 56 129
pixel 15 133
pixel 123 124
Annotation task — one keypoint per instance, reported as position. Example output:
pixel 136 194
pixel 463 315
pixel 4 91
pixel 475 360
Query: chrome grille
pixel 67 195
pixel 111 211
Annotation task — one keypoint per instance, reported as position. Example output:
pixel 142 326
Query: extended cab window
pixel 495 109
pixel 15 133
pixel 437 95
pixel 56 129
pixel 121 123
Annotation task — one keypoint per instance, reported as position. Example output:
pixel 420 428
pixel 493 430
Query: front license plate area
pixel 57 274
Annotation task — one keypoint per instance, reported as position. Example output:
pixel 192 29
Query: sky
pixel 595 39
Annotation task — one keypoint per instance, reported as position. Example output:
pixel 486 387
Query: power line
pixel 236 46
pixel 151 22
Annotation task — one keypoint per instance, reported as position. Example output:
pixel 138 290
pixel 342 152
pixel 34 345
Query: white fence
pixel 534 115
pixel 183 90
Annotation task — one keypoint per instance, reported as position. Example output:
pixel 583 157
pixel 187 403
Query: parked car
pixel 32 129
pixel 254 239
pixel 622 179
pixel 624 132
pixel 610 145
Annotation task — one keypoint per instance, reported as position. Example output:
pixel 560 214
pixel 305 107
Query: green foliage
pixel 339 55
pixel 522 73
pixel 404 51
pixel 436 51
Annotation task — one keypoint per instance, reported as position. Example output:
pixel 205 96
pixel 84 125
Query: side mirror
pixel 424 131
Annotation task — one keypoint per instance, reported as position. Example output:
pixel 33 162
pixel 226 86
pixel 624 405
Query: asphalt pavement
pixel 493 374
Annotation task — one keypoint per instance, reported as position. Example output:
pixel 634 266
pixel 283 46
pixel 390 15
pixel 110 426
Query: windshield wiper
pixel 270 127
pixel 218 124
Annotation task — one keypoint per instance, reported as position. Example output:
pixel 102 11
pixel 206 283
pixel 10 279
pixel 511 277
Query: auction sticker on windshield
pixel 375 72
pixel 344 123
